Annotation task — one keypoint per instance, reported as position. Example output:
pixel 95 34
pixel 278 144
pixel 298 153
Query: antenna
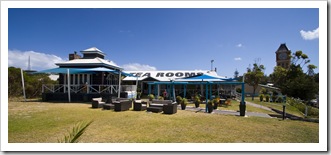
pixel 211 68
pixel 29 66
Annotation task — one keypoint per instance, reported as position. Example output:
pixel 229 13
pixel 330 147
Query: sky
pixel 164 38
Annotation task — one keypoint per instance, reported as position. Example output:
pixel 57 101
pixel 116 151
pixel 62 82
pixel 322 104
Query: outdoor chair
pixel 108 106
pixel 97 102
pixel 139 106
pixel 170 108
pixel 122 105
pixel 159 103
pixel 159 106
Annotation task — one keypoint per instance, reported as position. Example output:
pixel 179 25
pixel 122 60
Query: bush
pixel 279 99
pixel 267 98
pixel 274 97
pixel 261 97
pixel 302 107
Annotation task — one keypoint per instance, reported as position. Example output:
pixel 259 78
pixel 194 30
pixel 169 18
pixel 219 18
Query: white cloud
pixel 138 67
pixel 38 61
pixel 125 31
pixel 239 45
pixel 237 59
pixel 310 35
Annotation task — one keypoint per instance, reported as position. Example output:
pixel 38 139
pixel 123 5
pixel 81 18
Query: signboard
pixel 168 74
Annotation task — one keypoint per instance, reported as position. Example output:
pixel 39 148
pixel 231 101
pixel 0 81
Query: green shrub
pixel 261 97
pixel 279 99
pixel 313 111
pixel 267 98
pixel 274 97
pixel 302 107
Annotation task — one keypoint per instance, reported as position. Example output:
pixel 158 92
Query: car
pixel 313 103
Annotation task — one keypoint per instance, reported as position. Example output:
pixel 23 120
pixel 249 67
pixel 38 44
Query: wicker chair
pixel 170 108
pixel 122 105
pixel 139 106
pixel 97 103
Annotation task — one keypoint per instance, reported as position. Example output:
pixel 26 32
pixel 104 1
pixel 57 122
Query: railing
pixel 60 88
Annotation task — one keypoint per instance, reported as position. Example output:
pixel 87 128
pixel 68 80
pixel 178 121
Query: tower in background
pixel 29 67
pixel 283 56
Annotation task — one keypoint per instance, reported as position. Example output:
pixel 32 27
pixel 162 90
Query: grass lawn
pixel 279 106
pixel 235 107
pixel 42 122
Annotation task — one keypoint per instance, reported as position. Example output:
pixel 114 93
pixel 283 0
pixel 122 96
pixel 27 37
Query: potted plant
pixel 179 99
pixel 261 97
pixel 267 97
pixel 150 97
pixel 197 101
pixel 215 102
pixel 210 106
pixel 160 98
pixel 183 103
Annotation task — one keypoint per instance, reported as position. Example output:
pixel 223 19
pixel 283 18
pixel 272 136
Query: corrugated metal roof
pixel 93 50
pixel 89 62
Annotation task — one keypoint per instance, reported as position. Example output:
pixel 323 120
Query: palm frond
pixel 77 131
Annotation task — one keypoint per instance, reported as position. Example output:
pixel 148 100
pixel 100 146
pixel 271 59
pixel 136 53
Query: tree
pixel 236 74
pixel 33 83
pixel 14 82
pixel 293 81
pixel 254 76
pixel 310 70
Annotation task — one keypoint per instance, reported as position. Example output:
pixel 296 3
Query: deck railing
pixel 60 88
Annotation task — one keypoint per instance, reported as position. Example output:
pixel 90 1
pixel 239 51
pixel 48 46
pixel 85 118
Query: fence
pixel 60 88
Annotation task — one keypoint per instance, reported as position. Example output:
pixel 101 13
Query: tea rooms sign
pixel 166 75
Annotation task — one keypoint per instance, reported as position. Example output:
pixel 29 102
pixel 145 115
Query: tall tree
pixel 254 76
pixel 293 81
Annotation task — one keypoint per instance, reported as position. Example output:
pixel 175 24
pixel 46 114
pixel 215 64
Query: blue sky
pixel 163 39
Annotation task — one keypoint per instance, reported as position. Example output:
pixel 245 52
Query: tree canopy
pixel 293 81
pixel 254 76
pixel 33 83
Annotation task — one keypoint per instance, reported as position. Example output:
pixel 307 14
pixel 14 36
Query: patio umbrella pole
pixel 136 86
pixel 119 84
pixel 69 97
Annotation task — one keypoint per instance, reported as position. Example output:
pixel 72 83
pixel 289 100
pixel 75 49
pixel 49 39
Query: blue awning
pixel 208 78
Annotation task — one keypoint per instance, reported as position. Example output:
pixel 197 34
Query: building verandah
pixel 84 84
